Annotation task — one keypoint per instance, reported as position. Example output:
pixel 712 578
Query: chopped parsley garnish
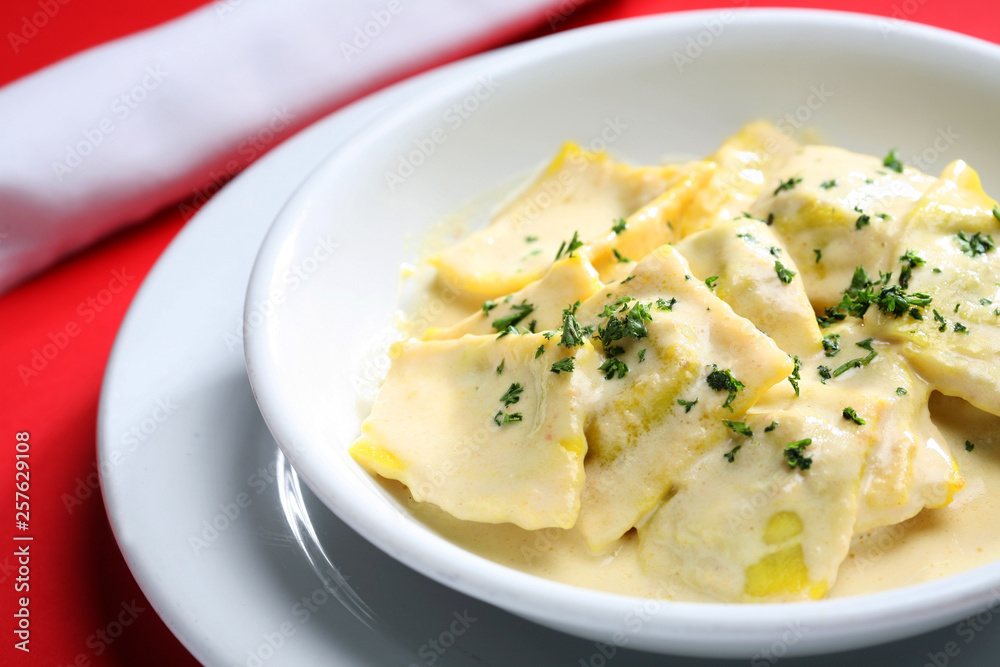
pixel 793 454
pixel 687 404
pixel 890 299
pixel 572 332
pixel 723 380
pixel 642 355
pixel 866 344
pixel 666 305
pixel 852 414
pixel 863 220
pixel 731 454
pixel 901 391
pixel 738 427
pixel 819 254
pixel 770 427
pixel 540 351
pixel 530 239
pixel 502 417
pixel 969 446
pixel 996 212
pixel 826 185
pixel 975 245
pixel 487 306
pixel 509 330
pixel 747 237
pixel 612 367
pixel 785 274
pixel 786 185
pixel 831 344
pixel 504 361
pixel 984 301
pixel 893 162
pixel 512 395
pixel 770 219
pixel 911 260
pixel 519 312
pixel 824 374
pixel 938 317
pixel 631 277
pixel 631 325
pixel 621 259
pixel 794 378
pixel 961 328
pixel 774 251
pixel 563 366
pixel 619 226
pixel 710 281
pixel 568 249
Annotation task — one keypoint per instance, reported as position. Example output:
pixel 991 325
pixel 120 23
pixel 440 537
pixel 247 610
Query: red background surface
pixel 79 580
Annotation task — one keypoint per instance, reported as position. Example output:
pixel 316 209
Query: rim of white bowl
pixel 691 628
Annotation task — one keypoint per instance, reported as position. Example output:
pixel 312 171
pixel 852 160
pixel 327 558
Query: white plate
pixel 306 339
pixel 180 439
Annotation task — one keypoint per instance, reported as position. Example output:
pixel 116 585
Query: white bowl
pixel 326 283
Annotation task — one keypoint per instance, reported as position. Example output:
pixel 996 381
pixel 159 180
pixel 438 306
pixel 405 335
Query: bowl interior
pixel 326 285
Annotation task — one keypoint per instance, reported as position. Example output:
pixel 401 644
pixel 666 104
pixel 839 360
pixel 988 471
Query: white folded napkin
pixel 115 133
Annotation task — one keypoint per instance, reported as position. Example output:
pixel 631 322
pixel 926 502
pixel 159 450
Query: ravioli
pixel 723 367
pixel 579 195
pixel 483 428
pixel 641 436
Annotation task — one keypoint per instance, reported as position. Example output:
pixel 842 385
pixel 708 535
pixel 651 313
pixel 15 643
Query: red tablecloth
pixel 78 580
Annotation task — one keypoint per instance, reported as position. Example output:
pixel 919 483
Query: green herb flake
pixel 738 427
pixel 487 306
pixel 985 302
pixel 723 380
pixel 749 238
pixel 530 239
pixel 568 248
pixel 642 355
pixel 794 456
pixel 666 305
pixel 572 332
pixel 968 445
pixel 710 281
pixel 785 274
pixel 503 361
pixel 996 212
pixel 910 260
pixel 826 185
pixel 613 367
pixel 774 251
pixel 687 404
pixel 794 378
pixel 893 162
pixel 819 254
pixel 518 313
pixel 512 395
pixel 852 414
pixel 770 427
pixel 563 366
pixel 621 259
pixel 786 185
pixel 938 317
pixel 975 245
pixel 501 418
pixel 901 391
pixel 540 351
pixel 863 221
pixel 831 344
pixel 731 454
pixel 619 226
pixel 961 328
